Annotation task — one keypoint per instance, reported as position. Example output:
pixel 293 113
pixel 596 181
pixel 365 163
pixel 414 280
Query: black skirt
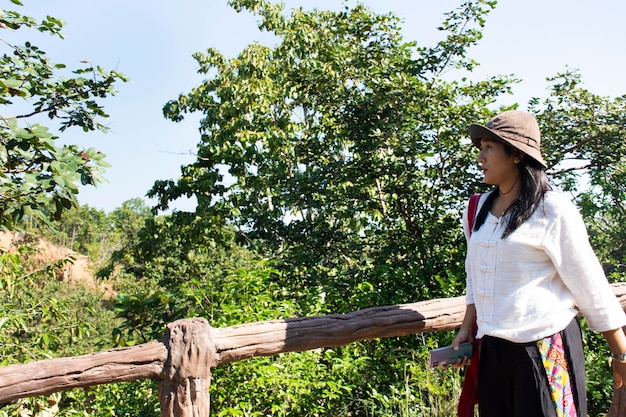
pixel 513 382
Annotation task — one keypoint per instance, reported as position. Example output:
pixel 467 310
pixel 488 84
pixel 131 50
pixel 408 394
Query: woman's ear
pixel 519 155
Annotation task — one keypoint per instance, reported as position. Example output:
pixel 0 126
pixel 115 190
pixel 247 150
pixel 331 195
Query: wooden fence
pixel 183 358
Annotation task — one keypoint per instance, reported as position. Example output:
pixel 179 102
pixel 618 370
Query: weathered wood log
pixel 295 335
pixel 115 365
pixel 184 388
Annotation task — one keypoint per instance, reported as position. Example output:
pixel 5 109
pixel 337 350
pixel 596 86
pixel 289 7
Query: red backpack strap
pixel 471 210
pixel 469 390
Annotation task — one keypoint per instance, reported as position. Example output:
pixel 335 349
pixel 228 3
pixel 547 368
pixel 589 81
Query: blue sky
pixel 152 43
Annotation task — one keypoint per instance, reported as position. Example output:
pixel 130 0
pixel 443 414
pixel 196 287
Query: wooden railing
pixel 183 358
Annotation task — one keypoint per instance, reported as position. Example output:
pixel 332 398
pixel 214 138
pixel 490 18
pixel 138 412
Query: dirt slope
pixel 77 272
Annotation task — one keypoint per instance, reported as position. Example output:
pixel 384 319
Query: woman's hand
pixel 462 336
pixel 619 373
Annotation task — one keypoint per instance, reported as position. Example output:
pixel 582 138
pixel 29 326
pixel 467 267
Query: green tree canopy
pixel 342 148
pixel 35 173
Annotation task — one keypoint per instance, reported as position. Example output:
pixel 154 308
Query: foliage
pixel 340 153
pixel 97 234
pixel 319 382
pixel 418 391
pixel 138 399
pixel 586 148
pixel 178 263
pixel 599 373
pixel 41 317
pixel 39 180
pixel 173 248
pixel 344 153
pixel 36 174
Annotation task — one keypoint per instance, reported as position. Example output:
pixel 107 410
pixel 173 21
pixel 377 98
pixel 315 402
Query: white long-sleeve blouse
pixel 525 287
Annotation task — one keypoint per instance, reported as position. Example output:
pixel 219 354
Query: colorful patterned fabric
pixel 555 364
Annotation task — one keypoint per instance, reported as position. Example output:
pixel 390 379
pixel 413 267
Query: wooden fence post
pixel 184 388
pixel 618 405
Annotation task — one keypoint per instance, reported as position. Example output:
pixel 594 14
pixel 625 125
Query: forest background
pixel 329 175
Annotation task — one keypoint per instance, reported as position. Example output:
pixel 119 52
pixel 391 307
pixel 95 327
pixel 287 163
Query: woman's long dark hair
pixel 534 184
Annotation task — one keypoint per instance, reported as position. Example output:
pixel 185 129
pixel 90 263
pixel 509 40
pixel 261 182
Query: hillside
pixel 77 272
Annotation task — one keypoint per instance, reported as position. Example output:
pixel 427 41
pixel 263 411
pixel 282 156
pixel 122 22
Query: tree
pixel 36 174
pixel 584 142
pixel 343 148
pixel 39 181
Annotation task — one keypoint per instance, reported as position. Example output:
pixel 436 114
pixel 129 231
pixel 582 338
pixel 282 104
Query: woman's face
pixel 499 167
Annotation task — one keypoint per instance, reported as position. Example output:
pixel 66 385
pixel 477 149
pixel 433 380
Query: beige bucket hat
pixel 515 127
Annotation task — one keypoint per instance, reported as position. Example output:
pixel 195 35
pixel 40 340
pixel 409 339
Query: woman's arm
pixel 465 331
pixel 617 343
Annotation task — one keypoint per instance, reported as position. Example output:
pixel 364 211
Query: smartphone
pixel 447 355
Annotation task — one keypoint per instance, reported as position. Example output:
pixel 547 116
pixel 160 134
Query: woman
pixel 529 267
